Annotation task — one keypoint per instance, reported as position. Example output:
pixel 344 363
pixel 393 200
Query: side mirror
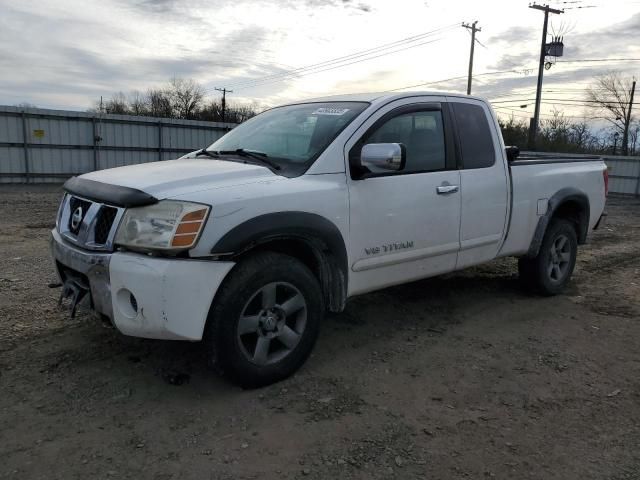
pixel 379 157
pixel 512 153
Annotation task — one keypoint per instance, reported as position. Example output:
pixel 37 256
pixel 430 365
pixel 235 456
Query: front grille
pixel 93 226
pixel 76 203
pixel 104 222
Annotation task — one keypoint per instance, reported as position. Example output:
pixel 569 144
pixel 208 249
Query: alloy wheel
pixel 272 323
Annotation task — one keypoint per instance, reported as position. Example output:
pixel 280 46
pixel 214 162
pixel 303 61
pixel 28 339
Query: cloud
pixel 158 6
pixel 522 60
pixel 514 34
pixel 376 81
pixel 90 57
pixel 180 6
pixel 67 53
pixel 613 41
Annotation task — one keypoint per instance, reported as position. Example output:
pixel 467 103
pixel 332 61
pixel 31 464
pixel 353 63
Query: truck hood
pixel 177 177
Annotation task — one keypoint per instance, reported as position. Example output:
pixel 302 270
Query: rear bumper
pixel 145 296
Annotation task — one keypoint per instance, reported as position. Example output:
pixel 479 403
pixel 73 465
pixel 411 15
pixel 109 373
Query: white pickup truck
pixel 249 243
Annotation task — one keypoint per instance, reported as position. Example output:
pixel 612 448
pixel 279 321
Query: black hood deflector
pixel 116 195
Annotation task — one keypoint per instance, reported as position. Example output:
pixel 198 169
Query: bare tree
pixel 240 113
pixel 633 138
pixel 137 103
pixel 186 97
pixel 554 131
pixel 179 99
pixel 158 103
pixel 580 135
pixel 117 104
pixel 514 131
pixel 212 112
pixel 25 105
pixel 612 92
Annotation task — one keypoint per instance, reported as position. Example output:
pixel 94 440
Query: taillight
pixel 605 176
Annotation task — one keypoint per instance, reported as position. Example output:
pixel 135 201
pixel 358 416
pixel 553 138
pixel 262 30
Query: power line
pixel 301 71
pixel 583 60
pixel 569 104
pixel 334 67
pixel 529 91
pixel 451 79
pixel 426 84
pixel 586 101
pixel 522 114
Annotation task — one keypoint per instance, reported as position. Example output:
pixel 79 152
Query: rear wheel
pixel 549 272
pixel 265 319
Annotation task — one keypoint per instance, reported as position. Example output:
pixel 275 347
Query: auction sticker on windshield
pixel 330 111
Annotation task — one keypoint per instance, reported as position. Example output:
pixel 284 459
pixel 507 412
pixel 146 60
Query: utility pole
pixel 473 29
pixel 533 127
pixel 224 101
pixel 625 137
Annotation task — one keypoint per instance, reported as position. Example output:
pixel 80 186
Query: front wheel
pixel 265 319
pixel 549 272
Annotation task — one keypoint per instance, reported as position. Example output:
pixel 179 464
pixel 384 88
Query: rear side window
pixel 475 136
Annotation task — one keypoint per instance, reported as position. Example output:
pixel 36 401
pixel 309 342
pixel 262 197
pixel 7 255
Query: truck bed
pixel 535 158
pixel 535 178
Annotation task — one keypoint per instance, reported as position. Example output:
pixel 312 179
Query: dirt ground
pixel 460 376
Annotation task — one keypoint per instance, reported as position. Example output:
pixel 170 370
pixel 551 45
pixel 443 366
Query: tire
pixel 549 272
pixel 264 320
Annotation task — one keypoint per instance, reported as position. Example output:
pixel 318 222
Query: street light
pixel 615 142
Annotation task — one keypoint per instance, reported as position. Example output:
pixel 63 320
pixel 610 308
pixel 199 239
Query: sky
pixel 67 53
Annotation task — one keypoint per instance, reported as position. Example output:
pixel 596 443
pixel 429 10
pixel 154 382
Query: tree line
pixel 610 96
pixel 609 93
pixel 180 98
pixel 562 134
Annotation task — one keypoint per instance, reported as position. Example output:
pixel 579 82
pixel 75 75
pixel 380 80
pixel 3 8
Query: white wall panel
pixel 61 143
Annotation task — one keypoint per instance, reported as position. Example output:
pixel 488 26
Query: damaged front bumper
pixel 89 270
pixel 144 296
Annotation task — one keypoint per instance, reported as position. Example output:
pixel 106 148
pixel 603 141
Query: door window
pixel 421 133
pixel 475 136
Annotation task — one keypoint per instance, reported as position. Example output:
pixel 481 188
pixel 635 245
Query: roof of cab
pixel 385 97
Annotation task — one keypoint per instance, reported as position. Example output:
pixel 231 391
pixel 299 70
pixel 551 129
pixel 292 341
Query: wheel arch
pixel 311 238
pixel 569 204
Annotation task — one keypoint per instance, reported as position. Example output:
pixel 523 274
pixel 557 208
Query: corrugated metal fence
pixel 38 145
pixel 624 175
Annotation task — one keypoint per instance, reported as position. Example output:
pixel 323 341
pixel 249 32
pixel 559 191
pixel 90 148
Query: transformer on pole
pixel 557 47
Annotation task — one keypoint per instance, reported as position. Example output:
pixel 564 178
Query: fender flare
pixel 559 198
pixel 317 232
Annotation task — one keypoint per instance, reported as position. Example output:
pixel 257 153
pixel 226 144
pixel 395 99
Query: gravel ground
pixel 460 376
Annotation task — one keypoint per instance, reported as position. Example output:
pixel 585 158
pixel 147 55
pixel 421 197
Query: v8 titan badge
pixel 389 247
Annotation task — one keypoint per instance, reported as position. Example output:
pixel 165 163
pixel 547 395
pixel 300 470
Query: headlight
pixel 167 225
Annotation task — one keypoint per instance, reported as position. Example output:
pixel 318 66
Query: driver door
pixel 405 225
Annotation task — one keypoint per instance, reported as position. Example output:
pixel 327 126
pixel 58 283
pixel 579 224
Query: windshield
pixel 292 136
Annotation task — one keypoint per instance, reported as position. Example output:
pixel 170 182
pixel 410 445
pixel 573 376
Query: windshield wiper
pixel 208 153
pixel 260 156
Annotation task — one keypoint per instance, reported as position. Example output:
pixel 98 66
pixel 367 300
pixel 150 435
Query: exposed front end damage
pixel 143 296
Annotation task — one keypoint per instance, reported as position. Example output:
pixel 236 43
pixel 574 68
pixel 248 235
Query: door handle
pixel 446 189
